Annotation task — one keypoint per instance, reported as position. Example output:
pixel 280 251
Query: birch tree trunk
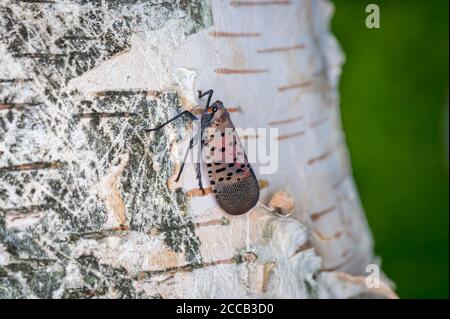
pixel 88 202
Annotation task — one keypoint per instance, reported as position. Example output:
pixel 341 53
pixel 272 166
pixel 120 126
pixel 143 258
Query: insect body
pixel 231 176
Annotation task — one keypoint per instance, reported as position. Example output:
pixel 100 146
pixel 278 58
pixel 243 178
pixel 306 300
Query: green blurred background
pixel 394 100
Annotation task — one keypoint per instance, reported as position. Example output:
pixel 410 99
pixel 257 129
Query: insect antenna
pixel 209 93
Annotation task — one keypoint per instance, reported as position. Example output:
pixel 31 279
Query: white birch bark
pixel 89 206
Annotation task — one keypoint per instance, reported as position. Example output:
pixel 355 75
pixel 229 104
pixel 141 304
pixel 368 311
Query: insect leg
pixel 199 177
pixel 189 114
pixel 191 145
pixel 192 142
pixel 198 167
pixel 209 93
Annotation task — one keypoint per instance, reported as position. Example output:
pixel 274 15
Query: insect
pixel 231 176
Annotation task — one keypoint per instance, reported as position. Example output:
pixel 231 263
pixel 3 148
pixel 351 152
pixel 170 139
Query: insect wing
pixel 231 176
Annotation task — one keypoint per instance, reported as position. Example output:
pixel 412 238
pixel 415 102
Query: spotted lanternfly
pixel 231 176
